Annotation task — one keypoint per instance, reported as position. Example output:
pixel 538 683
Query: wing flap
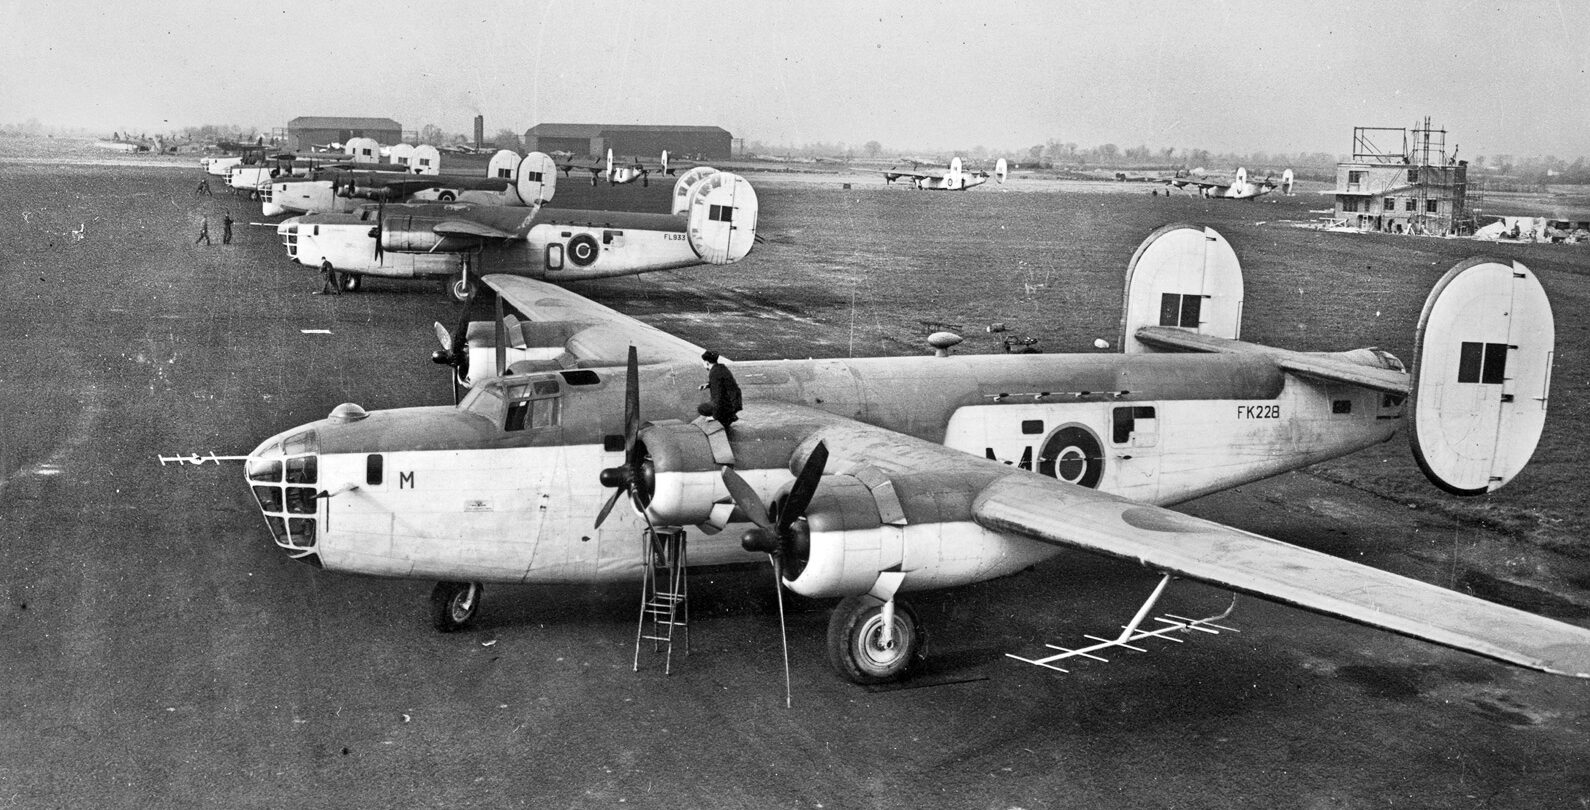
pixel 1053 512
pixel 607 334
pixel 1332 367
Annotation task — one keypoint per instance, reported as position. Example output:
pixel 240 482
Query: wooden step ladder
pixel 664 588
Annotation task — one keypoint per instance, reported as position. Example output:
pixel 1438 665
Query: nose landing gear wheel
pixel 856 647
pixel 460 291
pixel 454 605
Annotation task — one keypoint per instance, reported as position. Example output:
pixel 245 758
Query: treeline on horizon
pixel 1054 155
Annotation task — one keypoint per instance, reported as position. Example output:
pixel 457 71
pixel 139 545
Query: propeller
pixel 776 534
pixel 629 476
pixel 455 344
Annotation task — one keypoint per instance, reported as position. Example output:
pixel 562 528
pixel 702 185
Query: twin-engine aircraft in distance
pixel 1239 188
pixel 713 222
pixel 621 172
pixel 955 178
pixel 865 479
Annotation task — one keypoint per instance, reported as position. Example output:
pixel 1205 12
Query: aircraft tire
pixel 854 636
pixel 446 196
pixel 459 290
pixel 583 250
pixel 454 605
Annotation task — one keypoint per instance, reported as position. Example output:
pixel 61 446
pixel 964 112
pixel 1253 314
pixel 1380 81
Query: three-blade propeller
pixel 455 344
pixel 629 477
pixel 777 534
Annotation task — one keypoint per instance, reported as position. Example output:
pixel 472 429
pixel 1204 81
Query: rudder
pixel 1481 375
pixel 1185 276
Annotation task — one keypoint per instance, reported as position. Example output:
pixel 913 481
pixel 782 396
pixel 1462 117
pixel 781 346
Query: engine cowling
pixel 417 235
pixel 683 482
pixel 931 537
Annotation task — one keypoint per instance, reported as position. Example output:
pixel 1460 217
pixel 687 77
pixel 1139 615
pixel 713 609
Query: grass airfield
pixel 159 651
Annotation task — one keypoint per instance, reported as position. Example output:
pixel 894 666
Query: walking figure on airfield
pixel 226 228
pixel 724 391
pixel 204 232
pixel 204 188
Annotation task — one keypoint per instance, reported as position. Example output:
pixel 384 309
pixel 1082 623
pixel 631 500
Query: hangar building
pixel 593 140
pixel 308 130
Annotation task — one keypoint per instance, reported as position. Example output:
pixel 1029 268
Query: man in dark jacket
pixel 725 392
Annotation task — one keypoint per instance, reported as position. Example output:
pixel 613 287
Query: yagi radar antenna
pixel 197 460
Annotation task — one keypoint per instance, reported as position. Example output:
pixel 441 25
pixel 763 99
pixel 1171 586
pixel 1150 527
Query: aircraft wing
pixel 610 333
pixel 1241 561
pixel 928 479
pixel 895 174
pixel 464 227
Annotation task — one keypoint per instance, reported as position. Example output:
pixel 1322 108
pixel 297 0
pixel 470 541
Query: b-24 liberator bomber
pixel 715 223
pixel 866 479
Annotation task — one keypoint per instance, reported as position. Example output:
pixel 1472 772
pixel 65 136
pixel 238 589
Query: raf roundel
pixel 583 249
pixel 1073 454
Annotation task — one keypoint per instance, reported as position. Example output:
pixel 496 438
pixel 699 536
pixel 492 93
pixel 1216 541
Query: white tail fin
pixel 1185 276
pixel 609 173
pixel 1001 170
pixel 954 176
pixel 363 150
pixel 503 164
pixel 403 155
pixel 1286 182
pixel 665 161
pixel 722 226
pixel 683 185
pixel 427 160
pixel 1481 375
pixel 1242 177
pixel 536 179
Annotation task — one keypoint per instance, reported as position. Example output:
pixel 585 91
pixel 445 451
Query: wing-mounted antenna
pixel 1001 170
pixel 536 179
pixel 427 159
pixel 1185 276
pixel 502 164
pixel 722 224
pixel 1481 375
pixel 777 532
pixel 686 182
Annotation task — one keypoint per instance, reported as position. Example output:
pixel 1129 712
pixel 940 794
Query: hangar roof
pixel 595 130
pixel 341 122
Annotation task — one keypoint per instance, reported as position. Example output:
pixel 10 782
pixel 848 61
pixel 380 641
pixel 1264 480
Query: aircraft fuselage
pixel 504 487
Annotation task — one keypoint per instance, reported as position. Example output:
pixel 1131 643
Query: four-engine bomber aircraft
pixel 619 173
pixel 1240 188
pixel 716 225
pixel 955 178
pixel 344 188
pixel 884 474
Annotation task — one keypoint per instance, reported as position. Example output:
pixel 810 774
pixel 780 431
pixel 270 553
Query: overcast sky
pixel 1501 77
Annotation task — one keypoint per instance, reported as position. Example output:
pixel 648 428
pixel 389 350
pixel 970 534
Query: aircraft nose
pixel 283 473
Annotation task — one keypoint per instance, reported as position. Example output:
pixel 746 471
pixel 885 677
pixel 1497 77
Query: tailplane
pixel 536 179
pixel 722 218
pixel 1481 375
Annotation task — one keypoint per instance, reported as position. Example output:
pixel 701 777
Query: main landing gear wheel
pixel 460 290
pixel 454 605
pixel 855 640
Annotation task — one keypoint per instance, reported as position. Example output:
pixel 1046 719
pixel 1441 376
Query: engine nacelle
pixel 937 545
pixel 684 480
pixel 417 235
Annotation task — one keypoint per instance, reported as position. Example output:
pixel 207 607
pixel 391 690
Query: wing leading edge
pixel 1054 512
pixel 606 334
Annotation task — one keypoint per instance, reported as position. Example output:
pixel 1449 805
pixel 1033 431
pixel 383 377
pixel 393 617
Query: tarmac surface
pixel 157 650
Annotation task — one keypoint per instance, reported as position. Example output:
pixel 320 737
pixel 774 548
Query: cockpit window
pixel 483 400
pixel 533 404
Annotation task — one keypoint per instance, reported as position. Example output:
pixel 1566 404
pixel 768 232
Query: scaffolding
pixel 1415 163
